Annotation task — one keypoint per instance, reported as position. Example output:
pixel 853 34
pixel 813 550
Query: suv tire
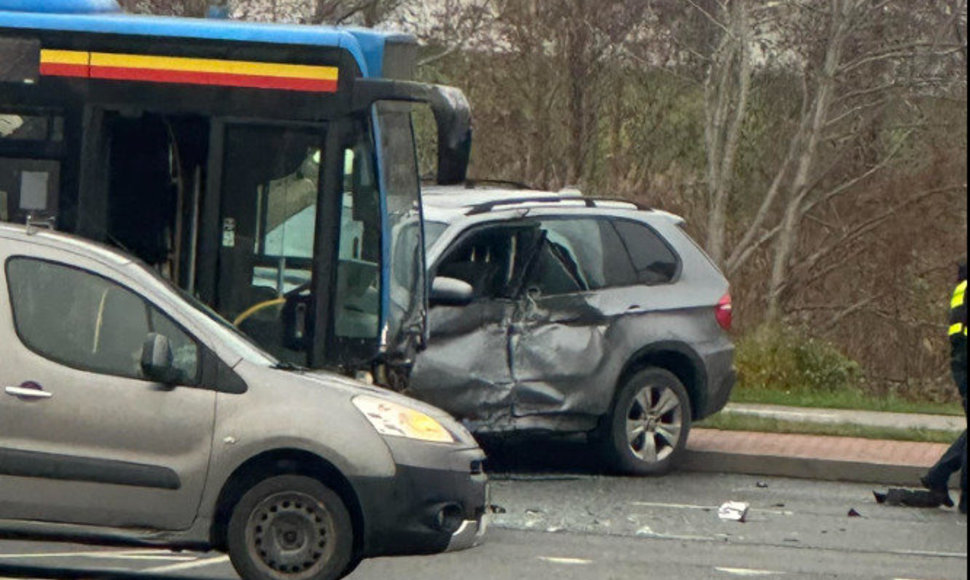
pixel 646 431
pixel 290 527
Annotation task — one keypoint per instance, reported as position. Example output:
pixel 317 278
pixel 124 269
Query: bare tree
pixel 850 75
pixel 726 91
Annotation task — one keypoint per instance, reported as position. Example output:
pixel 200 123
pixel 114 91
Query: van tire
pixel 290 527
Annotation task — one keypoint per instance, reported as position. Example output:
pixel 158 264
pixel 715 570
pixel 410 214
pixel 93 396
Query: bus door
pixel 156 168
pixel 297 240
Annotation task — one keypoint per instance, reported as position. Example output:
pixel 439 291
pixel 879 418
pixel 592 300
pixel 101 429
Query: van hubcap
pixel 654 423
pixel 291 533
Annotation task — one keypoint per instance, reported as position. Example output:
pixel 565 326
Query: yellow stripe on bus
pixel 232 67
pixel 75 57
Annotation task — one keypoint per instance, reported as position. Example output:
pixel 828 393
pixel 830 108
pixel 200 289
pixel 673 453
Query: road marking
pixel 961 555
pixel 190 565
pixel 749 572
pixel 103 555
pixel 687 506
pixel 566 561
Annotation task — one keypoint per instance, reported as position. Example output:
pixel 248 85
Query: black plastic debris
pixel 854 514
pixel 762 485
pixel 917 498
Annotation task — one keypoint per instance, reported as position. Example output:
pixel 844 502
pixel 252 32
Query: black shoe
pixel 941 494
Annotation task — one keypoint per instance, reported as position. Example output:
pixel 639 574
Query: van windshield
pixel 216 324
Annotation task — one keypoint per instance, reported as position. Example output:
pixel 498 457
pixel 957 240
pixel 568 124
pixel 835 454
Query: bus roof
pixel 98 16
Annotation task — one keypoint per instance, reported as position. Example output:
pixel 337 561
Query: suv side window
pixel 84 321
pixel 653 261
pixel 491 259
pixel 579 255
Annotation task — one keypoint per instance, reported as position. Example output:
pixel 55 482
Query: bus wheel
pixel 290 527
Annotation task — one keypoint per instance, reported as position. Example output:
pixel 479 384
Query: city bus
pixel 267 170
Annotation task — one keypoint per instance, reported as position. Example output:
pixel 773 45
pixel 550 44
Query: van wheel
pixel 290 527
pixel 646 432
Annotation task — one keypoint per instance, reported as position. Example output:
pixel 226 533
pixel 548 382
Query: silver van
pixel 132 414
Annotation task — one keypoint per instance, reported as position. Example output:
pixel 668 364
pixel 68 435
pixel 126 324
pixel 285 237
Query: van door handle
pixel 26 393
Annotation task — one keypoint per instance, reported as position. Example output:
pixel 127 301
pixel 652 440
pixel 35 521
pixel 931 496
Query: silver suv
pixel 559 313
pixel 132 414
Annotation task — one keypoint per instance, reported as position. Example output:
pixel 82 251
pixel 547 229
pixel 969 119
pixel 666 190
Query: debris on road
pixel 896 496
pixel 733 511
pixel 762 485
pixel 853 513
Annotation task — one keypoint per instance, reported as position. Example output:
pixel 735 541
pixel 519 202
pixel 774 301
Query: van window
pixel 86 322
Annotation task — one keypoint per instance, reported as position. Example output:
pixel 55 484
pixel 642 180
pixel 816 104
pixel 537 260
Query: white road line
pixel 749 572
pixel 104 555
pixel 566 561
pixel 686 506
pixel 961 555
pixel 189 565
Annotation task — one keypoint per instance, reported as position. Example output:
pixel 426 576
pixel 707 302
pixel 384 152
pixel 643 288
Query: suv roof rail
pixel 473 183
pixel 587 201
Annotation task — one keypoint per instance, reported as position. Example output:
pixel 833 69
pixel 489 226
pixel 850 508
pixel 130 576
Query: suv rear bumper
pixel 721 377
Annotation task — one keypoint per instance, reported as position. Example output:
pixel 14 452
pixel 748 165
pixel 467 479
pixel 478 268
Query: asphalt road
pixel 594 527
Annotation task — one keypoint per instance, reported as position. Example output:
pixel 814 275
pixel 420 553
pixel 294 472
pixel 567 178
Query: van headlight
pixel 394 420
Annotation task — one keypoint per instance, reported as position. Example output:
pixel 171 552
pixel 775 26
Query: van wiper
pixel 287 366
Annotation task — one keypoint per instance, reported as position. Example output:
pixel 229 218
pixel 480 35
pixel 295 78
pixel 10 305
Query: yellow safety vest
pixel 958 311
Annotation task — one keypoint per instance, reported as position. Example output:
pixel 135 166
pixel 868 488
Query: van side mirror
pixel 451 292
pixel 157 361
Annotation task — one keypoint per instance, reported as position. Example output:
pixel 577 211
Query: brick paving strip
pixel 810 456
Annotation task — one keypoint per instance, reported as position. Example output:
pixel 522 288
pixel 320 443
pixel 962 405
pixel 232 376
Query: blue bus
pixel 268 170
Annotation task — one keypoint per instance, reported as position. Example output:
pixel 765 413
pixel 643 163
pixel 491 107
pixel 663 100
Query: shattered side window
pixel 556 272
pixel 491 260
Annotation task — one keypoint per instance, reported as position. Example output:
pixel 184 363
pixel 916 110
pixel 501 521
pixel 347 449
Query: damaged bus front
pixel 268 170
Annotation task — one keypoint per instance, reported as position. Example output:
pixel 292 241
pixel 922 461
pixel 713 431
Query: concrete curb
pixel 802 468
pixel 810 457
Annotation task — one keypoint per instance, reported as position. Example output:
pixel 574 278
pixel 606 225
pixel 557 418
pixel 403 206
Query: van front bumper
pixel 436 502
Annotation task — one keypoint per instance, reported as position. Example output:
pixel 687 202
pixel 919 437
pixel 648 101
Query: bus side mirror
pixel 453 117
pixel 451 292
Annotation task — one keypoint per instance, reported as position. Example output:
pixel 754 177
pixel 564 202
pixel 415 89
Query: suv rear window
pixel 654 262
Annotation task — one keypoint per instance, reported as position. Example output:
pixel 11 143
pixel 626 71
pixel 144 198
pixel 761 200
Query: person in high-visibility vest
pixel 937 479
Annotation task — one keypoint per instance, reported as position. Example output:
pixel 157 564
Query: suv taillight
pixel 724 313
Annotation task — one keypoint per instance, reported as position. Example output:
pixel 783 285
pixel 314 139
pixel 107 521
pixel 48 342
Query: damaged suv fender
pixel 678 358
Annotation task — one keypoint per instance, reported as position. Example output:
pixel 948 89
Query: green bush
pixel 785 359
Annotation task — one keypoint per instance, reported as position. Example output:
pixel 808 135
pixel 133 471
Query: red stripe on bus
pixel 218 79
pixel 52 69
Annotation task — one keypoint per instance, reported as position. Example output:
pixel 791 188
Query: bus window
pixel 401 182
pixel 357 300
pixel 28 187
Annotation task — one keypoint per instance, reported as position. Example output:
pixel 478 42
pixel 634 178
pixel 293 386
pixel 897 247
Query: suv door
pixel 466 368
pixel 564 355
pixel 84 438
